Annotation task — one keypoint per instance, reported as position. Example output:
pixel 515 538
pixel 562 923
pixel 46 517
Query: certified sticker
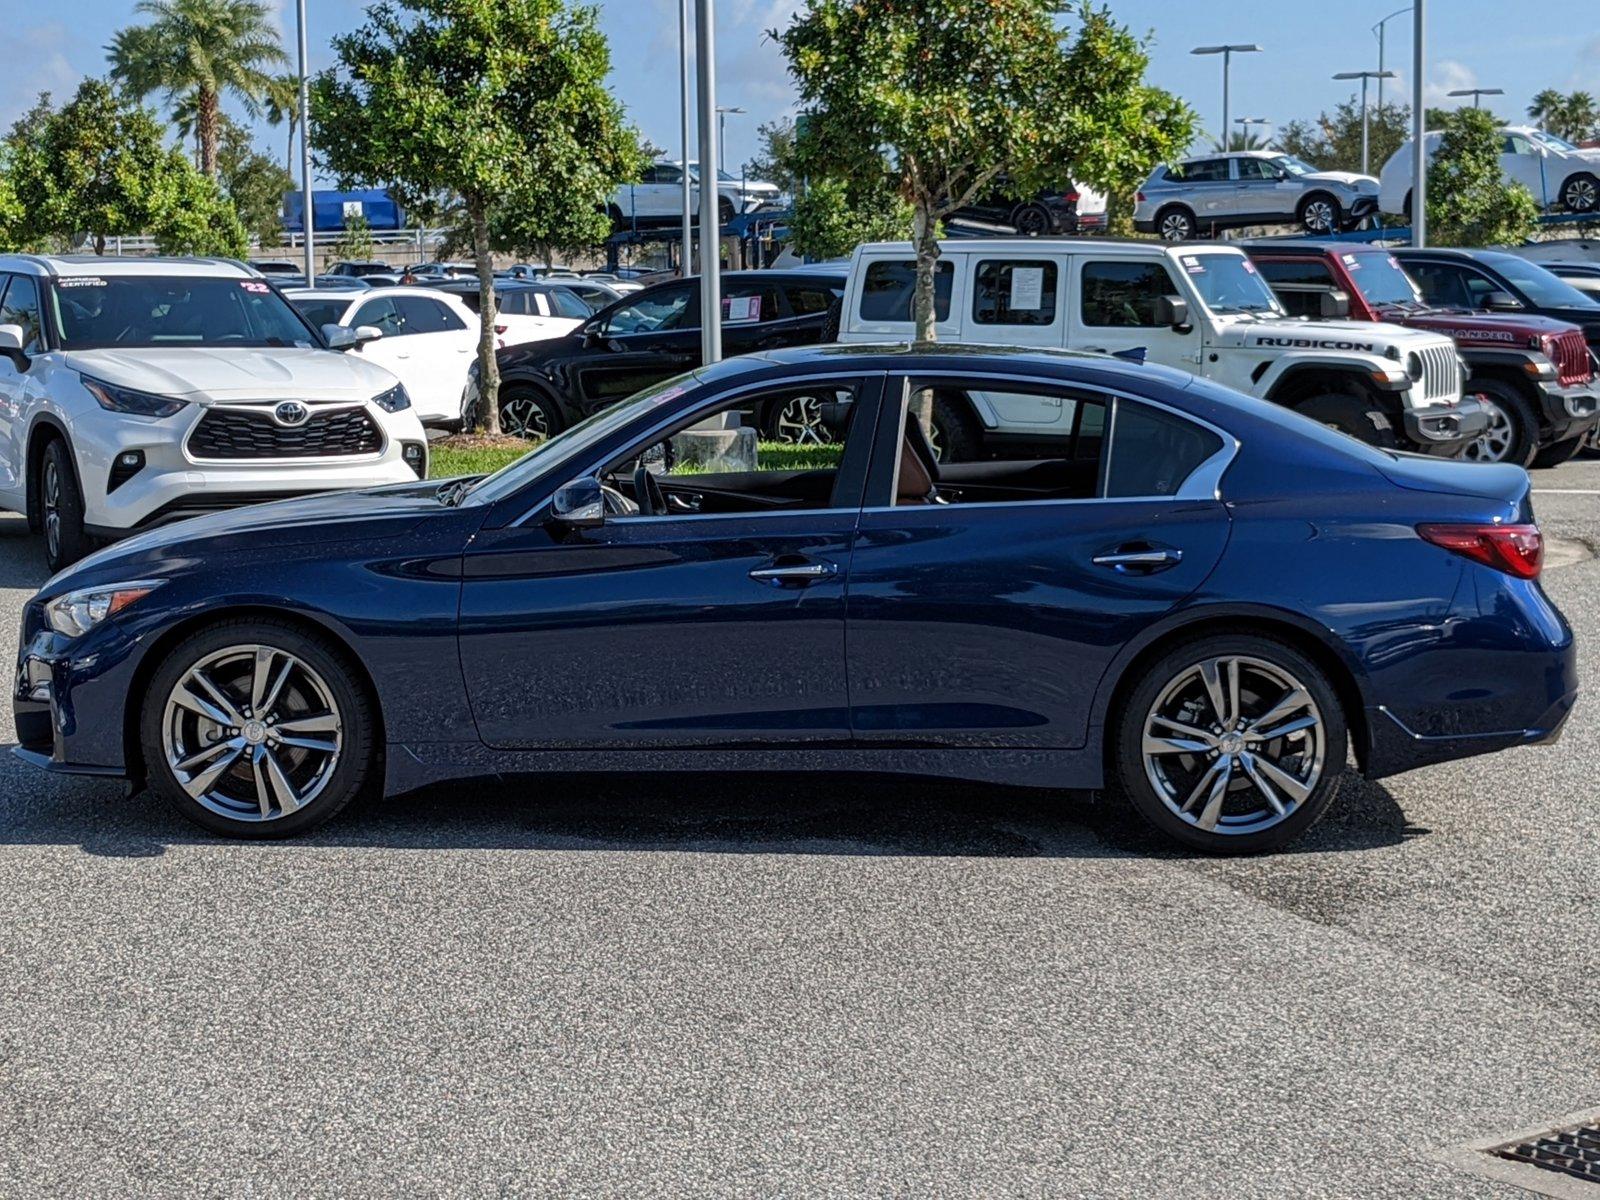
pixel 71 281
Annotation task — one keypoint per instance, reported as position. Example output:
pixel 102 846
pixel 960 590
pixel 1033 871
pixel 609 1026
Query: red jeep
pixel 1533 375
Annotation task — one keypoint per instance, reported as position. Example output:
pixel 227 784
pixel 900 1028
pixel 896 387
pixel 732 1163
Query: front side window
pixel 320 312
pixel 20 307
pixel 383 316
pixel 132 311
pixel 748 303
pixel 1536 283
pixel 806 301
pixel 1124 294
pixel 1255 170
pixel 1294 166
pixel 888 291
pixel 422 315
pixel 1014 292
pixel 567 303
pixel 655 312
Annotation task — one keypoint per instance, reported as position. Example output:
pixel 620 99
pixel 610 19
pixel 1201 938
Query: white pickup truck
pixel 1201 308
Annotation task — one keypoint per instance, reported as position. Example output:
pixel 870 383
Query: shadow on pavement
pixel 727 814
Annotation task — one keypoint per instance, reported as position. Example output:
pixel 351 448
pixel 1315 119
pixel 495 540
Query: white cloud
pixel 38 63
pixel 1449 76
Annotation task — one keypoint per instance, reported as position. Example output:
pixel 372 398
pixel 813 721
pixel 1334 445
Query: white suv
pixel 135 391
pixel 1559 174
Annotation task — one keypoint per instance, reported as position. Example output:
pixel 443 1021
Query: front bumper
pixel 62 724
pixel 1570 411
pixel 1445 429
pixel 1361 208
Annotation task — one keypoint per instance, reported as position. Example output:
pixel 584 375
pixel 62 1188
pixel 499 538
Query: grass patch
pixel 473 454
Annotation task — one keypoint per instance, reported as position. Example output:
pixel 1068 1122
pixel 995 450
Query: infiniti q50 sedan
pixel 1187 596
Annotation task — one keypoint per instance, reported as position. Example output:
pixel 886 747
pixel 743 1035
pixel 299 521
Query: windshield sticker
pixel 1027 289
pixel 80 281
pixel 1249 267
pixel 254 285
pixel 736 309
pixel 1193 265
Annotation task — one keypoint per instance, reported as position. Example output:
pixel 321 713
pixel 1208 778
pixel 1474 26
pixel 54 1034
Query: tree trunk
pixel 925 233
pixel 488 415
pixel 100 243
pixel 292 172
pixel 207 131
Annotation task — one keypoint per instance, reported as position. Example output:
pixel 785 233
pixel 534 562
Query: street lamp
pixel 1477 94
pixel 1380 76
pixel 1227 53
pixel 1379 29
pixel 1419 122
pixel 722 129
pixel 307 223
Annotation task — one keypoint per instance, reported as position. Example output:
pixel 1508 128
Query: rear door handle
pixel 1145 561
pixel 795 574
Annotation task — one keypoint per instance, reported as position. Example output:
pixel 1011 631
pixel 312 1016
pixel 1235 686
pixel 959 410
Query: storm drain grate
pixel 1574 1151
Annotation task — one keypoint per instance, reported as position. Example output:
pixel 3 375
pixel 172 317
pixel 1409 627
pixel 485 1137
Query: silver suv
pixel 1252 187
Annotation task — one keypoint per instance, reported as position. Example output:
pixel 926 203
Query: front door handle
pixel 1143 561
pixel 795 574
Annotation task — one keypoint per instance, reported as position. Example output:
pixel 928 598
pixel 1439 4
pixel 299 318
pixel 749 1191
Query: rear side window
pixel 321 312
pixel 1020 292
pixel 807 301
pixel 1154 452
pixel 1124 294
pixel 887 291
pixel 422 315
pixel 1206 170
pixel 21 307
pixel 747 303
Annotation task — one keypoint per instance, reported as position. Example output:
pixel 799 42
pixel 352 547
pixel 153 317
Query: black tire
pixel 1581 193
pixel 1517 440
pixel 831 322
pixel 1032 220
pixel 1132 783
pixel 358 734
pixel 957 436
pixel 527 412
pixel 60 501
pixel 1176 223
pixel 1557 453
pixel 1313 203
pixel 1354 415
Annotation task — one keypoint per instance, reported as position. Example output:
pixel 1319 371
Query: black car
pixel 1054 210
pixel 641 339
pixel 522 297
pixel 1497 281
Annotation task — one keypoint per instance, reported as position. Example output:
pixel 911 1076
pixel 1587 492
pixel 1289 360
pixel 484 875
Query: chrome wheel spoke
pixel 199 784
pixel 1219 792
pixel 1161 745
pixel 1188 731
pixel 1221 679
pixel 1253 770
pixel 305 743
pixel 1281 779
pixel 282 790
pixel 1291 702
pixel 218 697
pixel 1213 781
pixel 186 698
pixel 323 722
pixel 211 751
pixel 1284 730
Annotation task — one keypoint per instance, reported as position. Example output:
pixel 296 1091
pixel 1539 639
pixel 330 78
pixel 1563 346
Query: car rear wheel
pixel 525 413
pixel 1513 432
pixel 61 508
pixel 1032 220
pixel 256 729
pixel 1557 453
pixel 1231 744
pixel 1175 224
pixel 1352 415
pixel 1581 193
pixel 1319 213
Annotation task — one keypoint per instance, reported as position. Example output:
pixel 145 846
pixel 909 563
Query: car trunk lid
pixel 1506 487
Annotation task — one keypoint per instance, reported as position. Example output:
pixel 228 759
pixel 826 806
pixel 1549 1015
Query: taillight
pixel 1071 197
pixel 501 328
pixel 1138 197
pixel 1515 549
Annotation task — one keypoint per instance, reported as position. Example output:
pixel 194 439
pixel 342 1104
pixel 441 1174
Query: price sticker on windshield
pixel 1250 267
pixel 1193 265
pixel 254 285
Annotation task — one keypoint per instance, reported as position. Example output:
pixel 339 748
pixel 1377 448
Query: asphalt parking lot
pixel 774 987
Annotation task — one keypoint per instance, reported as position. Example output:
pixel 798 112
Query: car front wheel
pixel 1581 193
pixel 61 508
pixel 1319 214
pixel 1231 744
pixel 256 729
pixel 1513 432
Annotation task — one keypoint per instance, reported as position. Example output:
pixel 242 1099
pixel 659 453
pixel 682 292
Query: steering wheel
pixel 616 503
pixel 652 500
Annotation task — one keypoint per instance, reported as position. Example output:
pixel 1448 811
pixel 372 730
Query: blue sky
pixel 1521 48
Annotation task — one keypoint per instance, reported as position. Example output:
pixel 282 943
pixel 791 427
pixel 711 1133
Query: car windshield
pixel 1540 286
pixel 319 310
pixel 1293 165
pixel 1381 279
pixel 1550 139
pixel 1228 283
pixel 93 312
pixel 571 443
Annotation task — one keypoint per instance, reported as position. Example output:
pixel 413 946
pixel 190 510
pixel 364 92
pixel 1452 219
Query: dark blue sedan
pixel 1198 599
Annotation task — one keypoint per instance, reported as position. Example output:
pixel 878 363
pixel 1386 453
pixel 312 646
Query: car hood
pixel 1367 337
pixel 219 373
pixel 1350 179
pixel 1478 328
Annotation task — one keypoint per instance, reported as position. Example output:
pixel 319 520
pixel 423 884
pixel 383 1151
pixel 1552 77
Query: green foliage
pixel 833 216
pixel 1574 117
pixel 502 103
pixel 954 93
pixel 198 218
pixel 775 161
pixel 355 240
pixel 254 182
pixel 1470 202
pixel 196 51
pixel 1333 141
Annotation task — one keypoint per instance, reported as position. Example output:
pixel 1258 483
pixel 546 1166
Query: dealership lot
pixel 765 986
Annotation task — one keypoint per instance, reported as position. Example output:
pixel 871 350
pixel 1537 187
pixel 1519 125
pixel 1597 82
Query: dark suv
pixel 546 386
pixel 1054 210
pixel 1532 374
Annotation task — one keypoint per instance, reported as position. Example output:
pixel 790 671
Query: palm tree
pixel 197 50
pixel 1579 116
pixel 1546 107
pixel 282 106
pixel 1242 139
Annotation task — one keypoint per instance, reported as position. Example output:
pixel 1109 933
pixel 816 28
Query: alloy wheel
pixel 252 733
pixel 799 422
pixel 1033 221
pixel 1581 195
pixel 523 416
pixel 1318 216
pixel 1234 745
pixel 52 510
pixel 1494 443
pixel 1176 227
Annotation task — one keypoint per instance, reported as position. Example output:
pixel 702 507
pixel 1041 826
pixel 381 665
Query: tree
pixel 1546 104
pixel 253 182
pixel 832 217
pixel 502 103
pixel 955 94
pixel 195 51
pixel 775 160
pixel 281 106
pixel 1470 202
pixel 1574 117
pixel 1333 141
pixel 196 218
pixel 355 240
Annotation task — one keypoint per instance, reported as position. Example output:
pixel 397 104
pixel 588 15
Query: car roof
pixel 1077 245
pixel 111 264
pixel 1309 246
pixel 369 294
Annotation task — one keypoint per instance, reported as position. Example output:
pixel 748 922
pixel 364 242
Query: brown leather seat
pixel 918 479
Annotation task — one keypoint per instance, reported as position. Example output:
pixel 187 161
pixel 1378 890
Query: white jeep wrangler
pixel 1200 308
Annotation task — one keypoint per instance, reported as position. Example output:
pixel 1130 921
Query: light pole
pixel 722 128
pixel 1364 76
pixel 686 255
pixel 1244 124
pixel 307 222
pixel 1379 29
pixel 710 211
pixel 1227 53
pixel 1477 94
pixel 1419 151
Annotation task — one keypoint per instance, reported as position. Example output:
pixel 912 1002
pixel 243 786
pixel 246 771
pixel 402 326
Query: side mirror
pixel 1333 304
pixel 591 336
pixel 11 345
pixel 1501 301
pixel 366 333
pixel 579 504
pixel 1173 311
pixel 339 337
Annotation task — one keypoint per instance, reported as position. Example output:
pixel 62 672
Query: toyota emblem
pixel 291 412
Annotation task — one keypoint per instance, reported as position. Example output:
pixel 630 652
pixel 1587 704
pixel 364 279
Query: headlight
pixel 126 400
pixel 1414 367
pixel 394 399
pixel 75 613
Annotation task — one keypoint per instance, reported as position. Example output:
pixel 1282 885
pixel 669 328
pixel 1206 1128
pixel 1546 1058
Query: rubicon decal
pixel 1307 343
